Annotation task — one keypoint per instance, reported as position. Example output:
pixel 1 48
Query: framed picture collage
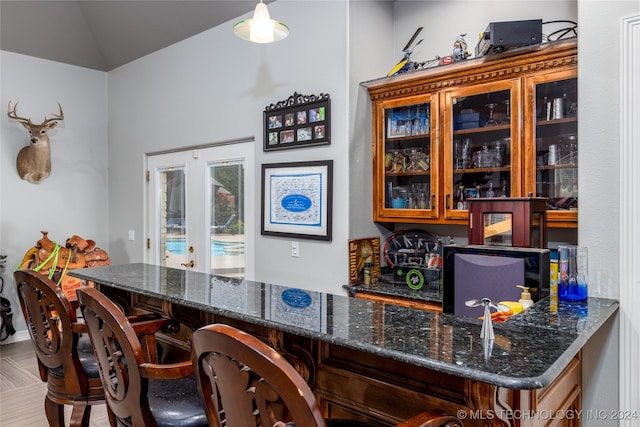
pixel 299 121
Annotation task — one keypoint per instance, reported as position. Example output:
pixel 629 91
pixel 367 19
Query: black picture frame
pixel 298 121
pixel 297 200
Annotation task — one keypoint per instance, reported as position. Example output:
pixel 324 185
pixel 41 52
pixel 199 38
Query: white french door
pixel 199 214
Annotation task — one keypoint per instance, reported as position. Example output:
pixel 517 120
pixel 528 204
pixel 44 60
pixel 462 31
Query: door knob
pixel 189 264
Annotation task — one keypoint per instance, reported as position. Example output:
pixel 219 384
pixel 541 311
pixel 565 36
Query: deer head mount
pixel 34 160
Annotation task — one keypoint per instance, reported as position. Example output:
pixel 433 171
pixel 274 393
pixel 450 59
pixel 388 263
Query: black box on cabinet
pixel 500 36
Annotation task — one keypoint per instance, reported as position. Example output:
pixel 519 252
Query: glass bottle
pixel 460 198
pixel 490 192
pixel 497 156
pixel 503 192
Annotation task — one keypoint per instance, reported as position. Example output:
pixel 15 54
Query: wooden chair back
pixel 139 390
pixel 119 354
pixel 244 382
pixel 55 332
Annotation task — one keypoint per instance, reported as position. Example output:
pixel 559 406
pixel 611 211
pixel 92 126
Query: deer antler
pixel 14 115
pixel 55 116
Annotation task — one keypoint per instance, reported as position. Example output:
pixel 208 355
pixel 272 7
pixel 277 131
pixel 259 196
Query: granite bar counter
pixel 531 350
pixel 401 294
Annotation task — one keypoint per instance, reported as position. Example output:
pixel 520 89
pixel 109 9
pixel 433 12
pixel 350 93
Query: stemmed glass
pixel 507 117
pixel 491 121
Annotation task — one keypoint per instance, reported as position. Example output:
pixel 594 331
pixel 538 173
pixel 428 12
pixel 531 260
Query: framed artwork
pixel 297 199
pixel 298 121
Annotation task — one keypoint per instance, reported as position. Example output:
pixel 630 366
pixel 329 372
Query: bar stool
pixel 244 382
pixel 139 391
pixel 63 350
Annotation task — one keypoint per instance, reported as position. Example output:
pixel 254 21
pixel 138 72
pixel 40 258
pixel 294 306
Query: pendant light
pixel 261 28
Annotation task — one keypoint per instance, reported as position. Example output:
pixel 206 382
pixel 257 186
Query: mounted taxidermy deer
pixel 34 160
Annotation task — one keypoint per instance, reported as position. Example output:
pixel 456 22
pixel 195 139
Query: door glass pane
pixel 557 143
pixel 498 230
pixel 407 157
pixel 227 219
pixel 172 211
pixel 481 147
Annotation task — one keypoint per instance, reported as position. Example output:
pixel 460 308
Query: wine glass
pixel 507 117
pixel 491 121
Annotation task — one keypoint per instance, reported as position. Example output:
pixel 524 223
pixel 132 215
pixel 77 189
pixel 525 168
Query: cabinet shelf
pixel 557 121
pixel 482 129
pixel 406 139
pixel 409 174
pixel 482 170
pixel 556 167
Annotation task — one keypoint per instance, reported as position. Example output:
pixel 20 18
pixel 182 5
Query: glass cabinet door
pixel 482 149
pixel 406 186
pixel 554 140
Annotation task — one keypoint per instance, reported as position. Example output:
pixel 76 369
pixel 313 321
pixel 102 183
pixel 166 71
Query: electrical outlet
pixel 295 249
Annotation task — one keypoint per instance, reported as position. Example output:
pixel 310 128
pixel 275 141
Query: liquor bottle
pixel 460 198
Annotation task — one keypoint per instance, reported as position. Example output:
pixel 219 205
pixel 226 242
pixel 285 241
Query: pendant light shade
pixel 261 28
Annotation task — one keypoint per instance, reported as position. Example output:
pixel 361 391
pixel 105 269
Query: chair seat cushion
pixel 176 403
pixel 86 356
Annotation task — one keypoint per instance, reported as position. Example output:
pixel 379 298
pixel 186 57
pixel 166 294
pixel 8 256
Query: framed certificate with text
pixel 297 199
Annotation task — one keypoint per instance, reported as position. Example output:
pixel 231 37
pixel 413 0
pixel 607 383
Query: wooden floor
pixel 22 392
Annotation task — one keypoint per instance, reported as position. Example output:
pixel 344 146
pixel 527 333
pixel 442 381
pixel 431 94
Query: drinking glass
pixel 491 121
pixel 507 117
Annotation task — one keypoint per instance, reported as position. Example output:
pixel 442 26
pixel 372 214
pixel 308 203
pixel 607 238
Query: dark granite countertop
pixel 396 290
pixel 530 349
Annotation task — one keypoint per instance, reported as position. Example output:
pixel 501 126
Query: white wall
pixel 214 87
pixel 598 90
pixel 371 49
pixel 73 199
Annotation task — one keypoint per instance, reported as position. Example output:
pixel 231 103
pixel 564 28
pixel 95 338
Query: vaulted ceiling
pixel 104 35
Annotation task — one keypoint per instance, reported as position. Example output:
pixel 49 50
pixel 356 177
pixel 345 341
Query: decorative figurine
pixel 460 51
pixel 405 63
pixel 487 325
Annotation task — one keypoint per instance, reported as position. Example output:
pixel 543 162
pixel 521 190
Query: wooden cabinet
pixel 513 221
pixel 501 125
pixel 406 159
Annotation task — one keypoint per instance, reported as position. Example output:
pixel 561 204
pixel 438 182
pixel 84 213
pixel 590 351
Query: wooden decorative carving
pixel 489 403
pixel 298 357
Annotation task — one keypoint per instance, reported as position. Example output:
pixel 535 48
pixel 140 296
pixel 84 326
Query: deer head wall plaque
pixel 34 160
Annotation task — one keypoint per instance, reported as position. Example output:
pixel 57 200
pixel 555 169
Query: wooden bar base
pixel 377 389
